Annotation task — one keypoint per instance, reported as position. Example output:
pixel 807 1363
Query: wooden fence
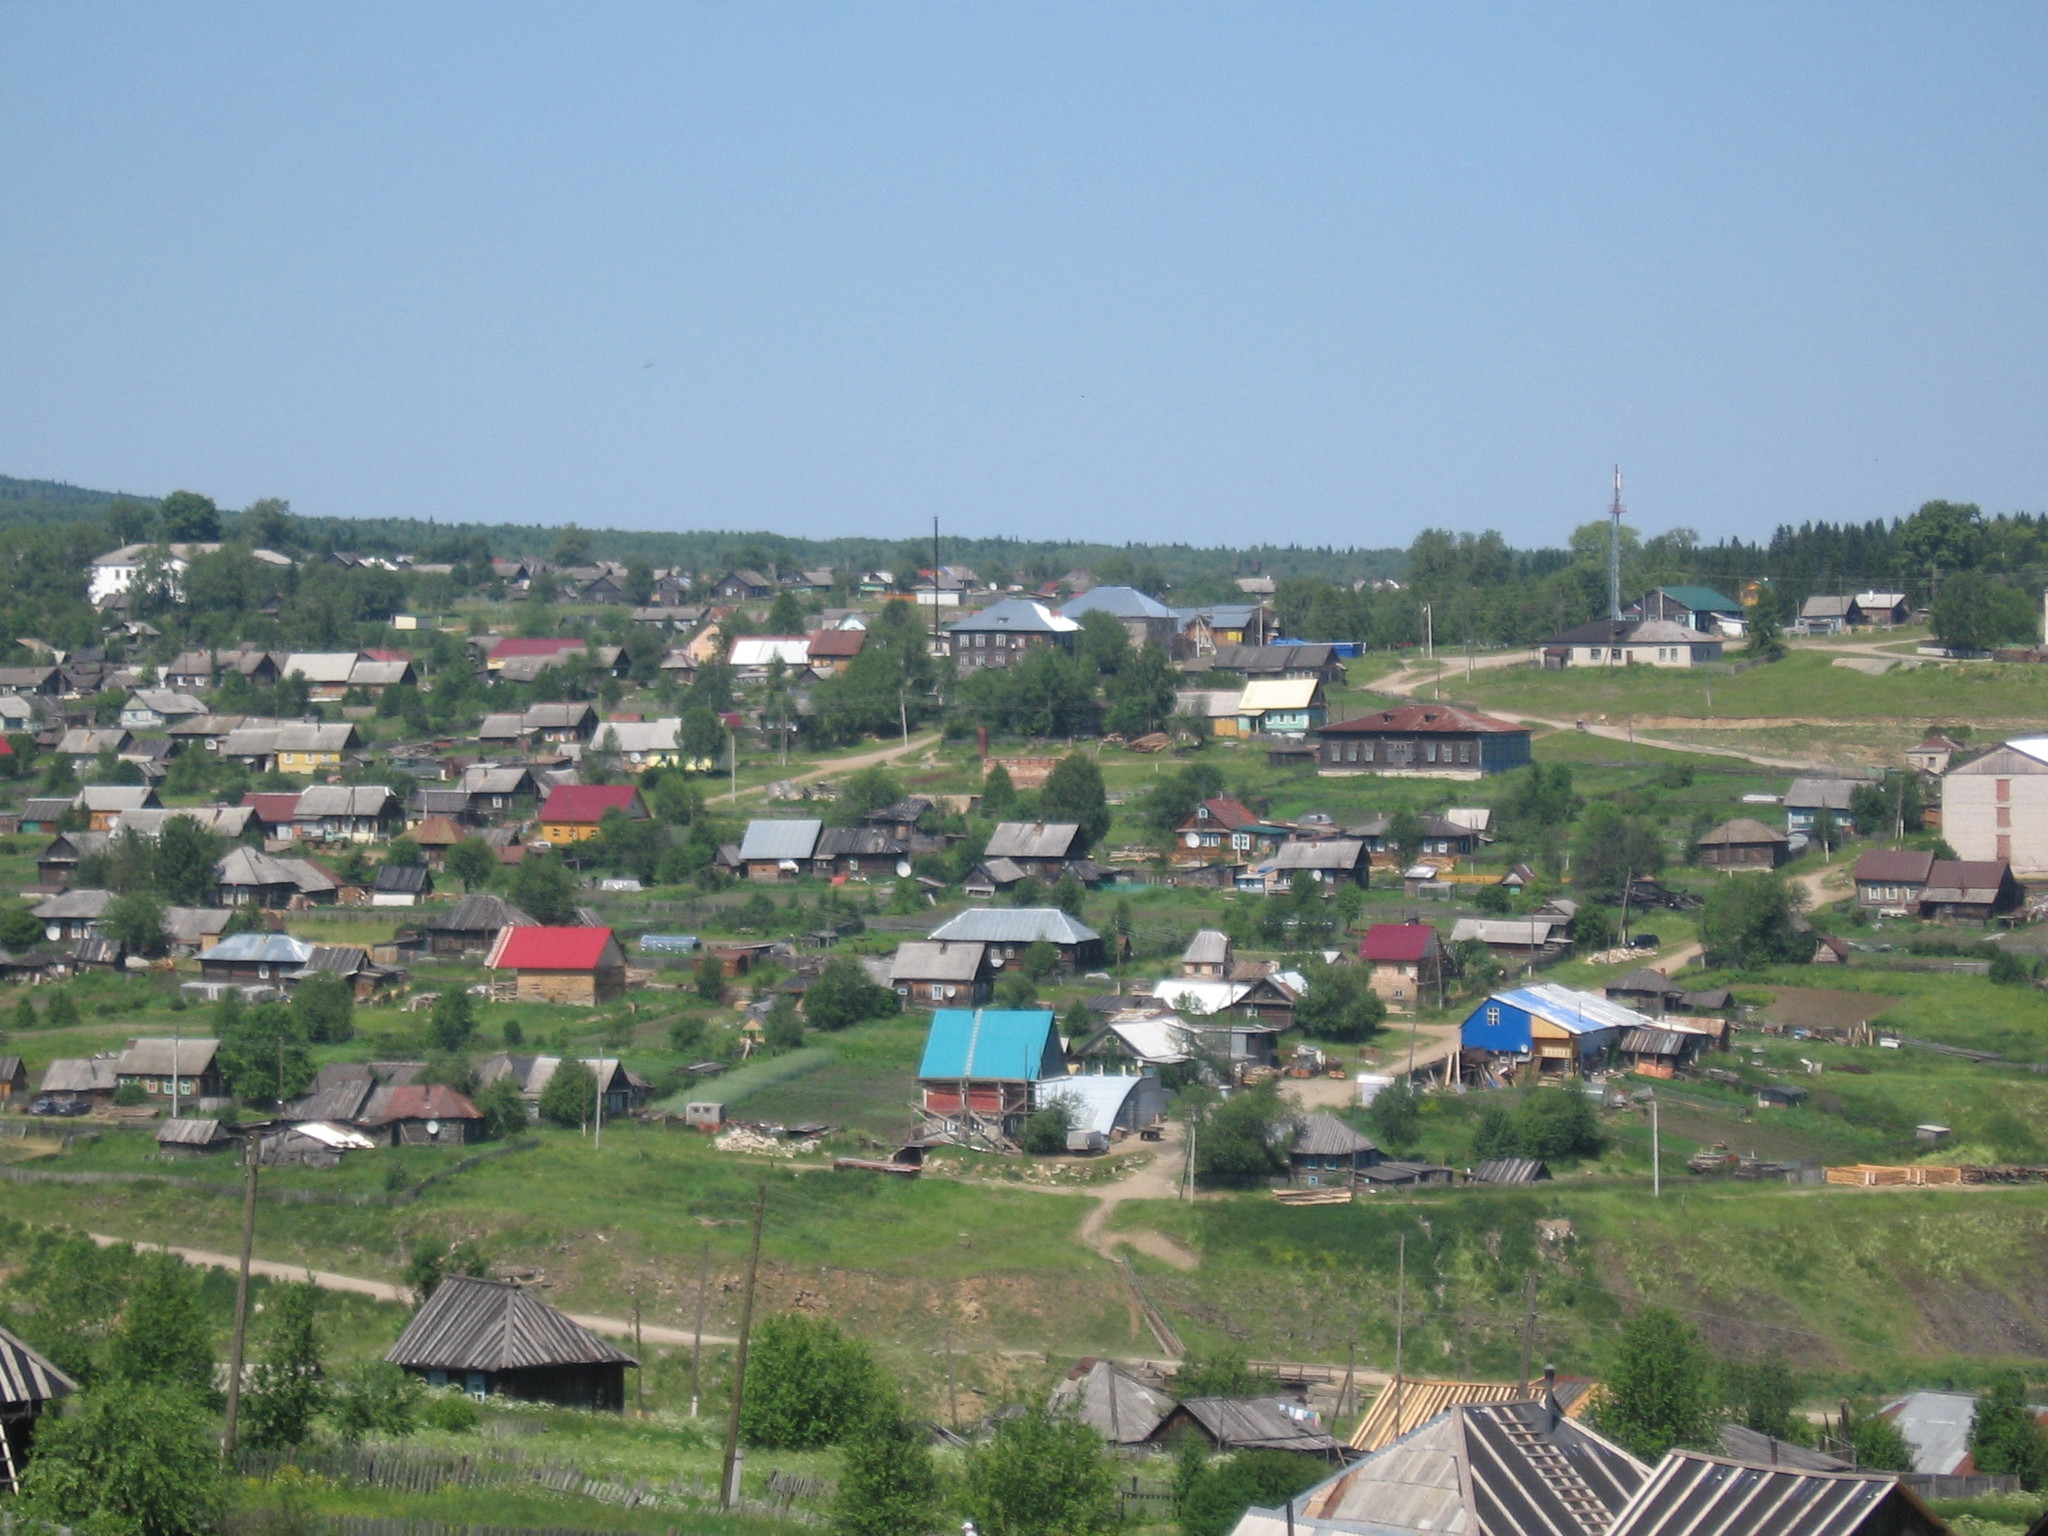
pixel 288 1194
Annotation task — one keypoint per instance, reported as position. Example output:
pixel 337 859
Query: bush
pixel 843 995
pixel 2009 970
pixel 1243 1139
pixel 1546 1123
pixel 376 1398
pixel 1041 1474
pixel 888 1485
pixel 130 1096
pixel 1339 1004
pixel 807 1386
pixel 570 1097
pixel 453 1413
pixel 1218 1497
pixel 1044 1133
pixel 133 1461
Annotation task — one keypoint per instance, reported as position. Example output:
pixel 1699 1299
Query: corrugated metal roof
pixel 1525 932
pixel 1207 947
pixel 1031 839
pixel 991 1044
pixel 490 1325
pixel 1574 1011
pixel 1510 1171
pixel 1937 1426
pixel 1324 1135
pixel 1256 1424
pixel 1745 1444
pixel 1016 925
pixel 924 960
pixel 1159 1040
pixel 1325 853
pixel 342 800
pixel 26 1377
pixel 1120 602
pixel 261 949
pixel 551 949
pixel 1094 1101
pixel 1264 693
pixel 775 841
pixel 1690 1494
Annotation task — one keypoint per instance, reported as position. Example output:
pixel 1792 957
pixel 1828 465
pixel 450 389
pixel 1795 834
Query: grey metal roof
pixel 857 842
pixel 1690 1494
pixel 261 949
pixel 188 1133
pixel 1121 602
pixel 490 1325
pixel 1015 925
pixel 1937 1426
pixel 114 797
pixel 1328 853
pixel 1745 1444
pixel 1015 615
pixel 1324 1135
pixel 778 840
pixel 1207 947
pixel 1031 839
pixel 75 904
pixel 80 1074
pixel 343 800
pixel 1745 830
pixel 1645 980
pixel 1818 793
pixel 403 879
pixel 1659 1042
pixel 26 1377
pixel 1111 1401
pixel 925 960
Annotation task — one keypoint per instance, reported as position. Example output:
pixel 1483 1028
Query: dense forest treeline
pixel 1478 589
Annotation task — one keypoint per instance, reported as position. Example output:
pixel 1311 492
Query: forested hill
pixel 52 501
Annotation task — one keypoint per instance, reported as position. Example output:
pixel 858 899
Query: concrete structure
pixel 1996 806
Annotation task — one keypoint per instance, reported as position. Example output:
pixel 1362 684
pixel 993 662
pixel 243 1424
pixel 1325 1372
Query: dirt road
pixel 378 1290
pixel 842 765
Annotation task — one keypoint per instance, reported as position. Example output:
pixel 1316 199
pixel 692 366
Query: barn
pixel 29 1387
pixel 493 1339
pixel 582 966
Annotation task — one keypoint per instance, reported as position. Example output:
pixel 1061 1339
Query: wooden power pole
pixel 238 1347
pixel 728 1489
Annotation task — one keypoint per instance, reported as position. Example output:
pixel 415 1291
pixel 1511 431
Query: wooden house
pixel 45 813
pixel 1326 861
pixel 1422 740
pixel 1326 1152
pixel 779 849
pixel 247 875
pixel 86 1080
pixel 354 813
pixel 1662 1051
pixel 1744 843
pixel 980 1065
pixel 72 915
pixel 419 1115
pixel 574 813
pixel 401 885
pixel 1227 1424
pixel 1290 707
pixel 1646 991
pixel 1225 831
pixel 471 926
pixel 57 864
pixel 104 804
pixel 935 971
pixel 13 1083
pixel 1039 848
pixel 1969 891
pixel 1407 961
pixel 580 966
pixel 255 959
pixel 1207 957
pixel 1009 931
pixel 167 1068
pixel 1111 1401
pixel 491 1339
pixel 29 1388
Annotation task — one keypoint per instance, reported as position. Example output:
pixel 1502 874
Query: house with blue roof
pixel 1551 1030
pixel 979 1066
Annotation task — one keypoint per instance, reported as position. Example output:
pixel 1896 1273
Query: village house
pixel 1009 931
pixel 1327 1153
pixel 621 1091
pixel 1544 1029
pixel 1207 957
pixel 1891 880
pixel 1039 848
pixel 858 853
pixel 1996 806
pixel 1663 1050
pixel 934 971
pixel 493 789
pixel 1516 940
pixel 1406 960
pixel 779 849
pixel 559 724
pixel 1810 796
pixel 1146 620
pixel 1630 643
pixel 351 813
pixel 471 926
pixel 830 651
pixel 1969 891
pixel 87 1080
pixel 642 744
pixel 13 1083
pixel 1255 663
pixel 904 820
pixel 1426 740
pixel 1439 837
pixel 1225 831
pixel 1744 844
pixel 151 709
pixel 580 966
pixel 57 865
pixel 988 1060
pixel 104 804
pixel 167 1068
pixel 1699 608
pixel 47 813
pixel 419 1115
pixel 1824 614
pixel 72 915
pixel 490 1338
pixel 1001 634
pixel 1225 1424
pixel 255 959
pixel 1288 707
pixel 1933 754
pixel 1331 860
pixel 742 586
pixel 574 813
pixel 250 875
pixel 295 747
pixel 401 885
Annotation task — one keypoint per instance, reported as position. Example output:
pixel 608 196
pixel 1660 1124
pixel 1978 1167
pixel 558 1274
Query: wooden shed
pixel 491 1338
pixel 29 1386
pixel 1744 843
pixel 581 966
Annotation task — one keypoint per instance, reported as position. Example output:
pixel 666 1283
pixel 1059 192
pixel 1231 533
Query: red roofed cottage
pixel 582 966
pixel 1406 959
pixel 574 812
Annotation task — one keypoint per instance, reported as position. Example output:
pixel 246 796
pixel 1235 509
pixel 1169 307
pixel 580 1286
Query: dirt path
pixel 1156 1178
pixel 378 1290
pixel 841 765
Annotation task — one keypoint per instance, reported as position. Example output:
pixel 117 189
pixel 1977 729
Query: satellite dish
pixel 903 869
pixel 996 961
pixel 433 1127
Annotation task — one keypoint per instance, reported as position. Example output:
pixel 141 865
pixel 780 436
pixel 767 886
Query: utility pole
pixel 732 760
pixel 1656 1154
pixel 1400 1326
pixel 597 1142
pixel 697 1335
pixel 729 1484
pixel 953 1402
pixel 241 1335
pixel 935 586
pixel 177 1040
pixel 1528 1327
pixel 639 1376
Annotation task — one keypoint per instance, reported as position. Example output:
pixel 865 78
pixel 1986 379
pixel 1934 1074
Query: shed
pixel 1101 1105
pixel 191 1138
pixel 1744 843
pixel 1557 1030
pixel 491 1338
pixel 1512 1172
pixel 1690 1494
pixel 401 885
pixel 472 924
pixel 1649 990
pixel 29 1385
pixel 1662 1052
pixel 13 1082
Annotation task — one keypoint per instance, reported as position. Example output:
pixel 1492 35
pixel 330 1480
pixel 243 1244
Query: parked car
pixel 47 1105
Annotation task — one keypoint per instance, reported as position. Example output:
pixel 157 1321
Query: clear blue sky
pixel 1311 272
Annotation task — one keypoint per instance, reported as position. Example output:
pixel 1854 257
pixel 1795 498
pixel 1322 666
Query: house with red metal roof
pixel 1438 741
pixel 1406 959
pixel 832 649
pixel 277 812
pixel 581 966
pixel 520 647
pixel 573 813
pixel 1226 831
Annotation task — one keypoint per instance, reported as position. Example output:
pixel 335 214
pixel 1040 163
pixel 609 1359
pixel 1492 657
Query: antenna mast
pixel 1614 553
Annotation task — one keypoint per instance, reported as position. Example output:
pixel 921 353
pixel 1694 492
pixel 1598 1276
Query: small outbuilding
pixel 493 1339
pixel 191 1138
pixel 582 966
pixel 1744 844
pixel 1327 1152
pixel 29 1387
